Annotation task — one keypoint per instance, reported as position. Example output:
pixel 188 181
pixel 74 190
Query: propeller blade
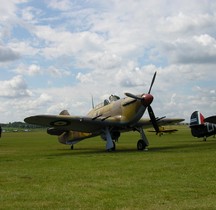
pixel 92 99
pixel 153 119
pixel 133 96
pixel 153 79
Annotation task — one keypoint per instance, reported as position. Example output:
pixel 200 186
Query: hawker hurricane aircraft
pixel 163 130
pixel 202 127
pixel 107 119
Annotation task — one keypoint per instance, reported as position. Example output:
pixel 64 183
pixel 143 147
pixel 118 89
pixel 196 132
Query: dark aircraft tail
pixel 198 128
pixel 196 119
pixel 202 127
pixel 64 112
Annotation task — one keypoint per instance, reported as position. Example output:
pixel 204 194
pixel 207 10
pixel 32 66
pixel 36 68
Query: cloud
pixel 55 72
pixel 84 78
pixel 134 76
pixel 186 23
pixel 34 70
pixel 31 70
pixel 197 49
pixel 14 88
pixel 7 54
pixel 103 48
pixel 37 102
pixel 63 5
pixel 65 43
pixel 24 48
pixel 8 10
pixel 102 61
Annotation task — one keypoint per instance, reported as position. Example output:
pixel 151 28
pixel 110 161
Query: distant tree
pixel 21 125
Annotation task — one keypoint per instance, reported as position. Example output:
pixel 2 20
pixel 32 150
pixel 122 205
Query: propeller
pixel 146 100
pixel 153 79
pixel 92 100
pixel 153 119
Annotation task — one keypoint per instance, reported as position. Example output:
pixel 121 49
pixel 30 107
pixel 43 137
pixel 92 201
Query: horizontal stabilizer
pixel 211 119
pixel 64 112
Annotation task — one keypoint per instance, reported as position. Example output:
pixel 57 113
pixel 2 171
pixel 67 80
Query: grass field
pixel 177 172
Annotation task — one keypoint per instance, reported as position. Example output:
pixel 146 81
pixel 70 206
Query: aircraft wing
pixel 146 123
pixel 164 130
pixel 211 119
pixel 88 124
pixel 75 123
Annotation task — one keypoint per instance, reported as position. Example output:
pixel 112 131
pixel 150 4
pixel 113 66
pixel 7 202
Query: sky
pixel 58 54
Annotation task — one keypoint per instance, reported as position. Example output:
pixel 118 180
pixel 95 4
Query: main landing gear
pixel 113 148
pixel 110 144
pixel 143 142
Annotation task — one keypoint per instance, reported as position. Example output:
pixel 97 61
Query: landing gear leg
pixel 110 146
pixel 143 142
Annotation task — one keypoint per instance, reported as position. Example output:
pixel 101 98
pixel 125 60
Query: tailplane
pixel 64 112
pixel 196 119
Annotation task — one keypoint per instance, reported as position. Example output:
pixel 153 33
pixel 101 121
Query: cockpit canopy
pixel 114 98
pixel 108 101
pixel 111 99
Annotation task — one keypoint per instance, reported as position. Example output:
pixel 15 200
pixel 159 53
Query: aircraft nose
pixel 147 99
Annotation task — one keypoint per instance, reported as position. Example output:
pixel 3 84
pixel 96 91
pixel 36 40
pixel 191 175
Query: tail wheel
pixel 141 145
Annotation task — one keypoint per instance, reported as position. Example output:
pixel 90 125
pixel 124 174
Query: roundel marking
pixel 60 123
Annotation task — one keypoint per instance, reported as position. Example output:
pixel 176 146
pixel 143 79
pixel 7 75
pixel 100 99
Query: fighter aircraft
pixel 108 119
pixel 202 127
pixel 163 130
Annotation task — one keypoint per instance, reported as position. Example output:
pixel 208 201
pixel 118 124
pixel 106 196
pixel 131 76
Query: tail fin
pixel 64 112
pixel 196 119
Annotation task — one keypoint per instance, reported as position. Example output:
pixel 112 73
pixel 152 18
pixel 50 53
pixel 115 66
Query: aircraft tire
pixel 72 147
pixel 141 145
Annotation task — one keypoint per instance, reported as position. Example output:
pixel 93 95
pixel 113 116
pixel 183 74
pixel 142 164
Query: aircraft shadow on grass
pixel 186 147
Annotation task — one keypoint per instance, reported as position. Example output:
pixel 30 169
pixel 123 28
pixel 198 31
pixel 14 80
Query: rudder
pixel 196 119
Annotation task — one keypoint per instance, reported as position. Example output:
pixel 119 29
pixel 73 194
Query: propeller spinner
pixel 146 100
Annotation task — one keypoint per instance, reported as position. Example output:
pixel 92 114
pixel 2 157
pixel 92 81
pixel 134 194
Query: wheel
pixel 141 145
pixel 72 147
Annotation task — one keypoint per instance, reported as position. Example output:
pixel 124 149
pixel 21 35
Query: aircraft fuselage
pixel 204 130
pixel 126 110
pixel 123 112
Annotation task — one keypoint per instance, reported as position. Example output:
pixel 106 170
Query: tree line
pixel 21 125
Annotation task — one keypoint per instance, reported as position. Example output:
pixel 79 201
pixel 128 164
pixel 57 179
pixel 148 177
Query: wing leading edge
pixel 146 123
pixel 88 124
pixel 76 123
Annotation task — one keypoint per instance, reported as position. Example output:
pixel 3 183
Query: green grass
pixel 177 172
